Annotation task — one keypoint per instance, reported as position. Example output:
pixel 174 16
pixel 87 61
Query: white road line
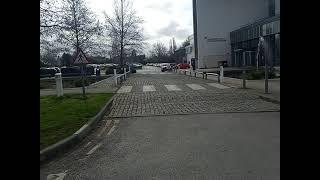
pixel 148 88
pixel 125 89
pixel 59 176
pixel 195 86
pixel 218 85
pixel 111 130
pixel 87 144
pixel 104 128
pixel 172 88
pixel 94 148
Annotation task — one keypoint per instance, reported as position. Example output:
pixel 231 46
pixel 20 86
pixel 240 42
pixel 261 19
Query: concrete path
pixel 191 133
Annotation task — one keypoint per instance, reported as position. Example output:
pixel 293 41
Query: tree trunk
pixel 121 41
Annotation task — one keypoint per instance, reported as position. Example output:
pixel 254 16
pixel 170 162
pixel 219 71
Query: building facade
pixel 218 24
pixel 244 40
pixel 190 49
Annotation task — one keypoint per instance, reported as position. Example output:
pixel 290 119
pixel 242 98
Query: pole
pixel 221 74
pixel 244 79
pixel 266 76
pixel 82 74
pixel 59 86
pixel 266 59
pixel 115 76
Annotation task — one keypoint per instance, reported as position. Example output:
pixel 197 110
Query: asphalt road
pixel 237 137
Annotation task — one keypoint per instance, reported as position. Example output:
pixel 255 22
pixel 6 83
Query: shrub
pixel 78 82
pixel 256 75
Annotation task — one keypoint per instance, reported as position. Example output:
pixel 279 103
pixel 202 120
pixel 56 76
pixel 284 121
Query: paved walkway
pixel 170 126
pixel 254 86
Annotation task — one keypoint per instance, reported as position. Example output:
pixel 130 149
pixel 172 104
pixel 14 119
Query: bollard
pixel 221 74
pixel 115 76
pixel 244 79
pixel 125 73
pixel 59 86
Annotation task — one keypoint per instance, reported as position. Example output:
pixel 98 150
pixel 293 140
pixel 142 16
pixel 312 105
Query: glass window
pixel 264 30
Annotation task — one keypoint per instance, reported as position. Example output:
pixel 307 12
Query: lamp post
pixel 261 50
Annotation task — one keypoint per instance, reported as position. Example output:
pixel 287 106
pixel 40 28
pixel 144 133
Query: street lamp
pixel 261 49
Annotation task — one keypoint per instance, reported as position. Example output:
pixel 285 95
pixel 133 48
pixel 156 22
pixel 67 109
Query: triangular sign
pixel 80 58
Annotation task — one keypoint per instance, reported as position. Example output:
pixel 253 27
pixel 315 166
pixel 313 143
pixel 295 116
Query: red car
pixel 183 66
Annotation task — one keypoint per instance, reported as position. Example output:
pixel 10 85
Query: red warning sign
pixel 81 58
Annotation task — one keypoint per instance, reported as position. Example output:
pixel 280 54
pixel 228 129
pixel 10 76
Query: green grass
pixel 60 117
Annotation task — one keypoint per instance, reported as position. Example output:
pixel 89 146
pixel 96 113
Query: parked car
pixel 47 72
pixel 183 66
pixel 137 65
pixel 165 67
pixel 71 71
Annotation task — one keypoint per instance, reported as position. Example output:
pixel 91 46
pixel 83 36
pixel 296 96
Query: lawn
pixel 60 117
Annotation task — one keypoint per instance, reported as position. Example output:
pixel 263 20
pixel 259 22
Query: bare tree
pixel 78 26
pixel 50 17
pixel 159 51
pixel 124 29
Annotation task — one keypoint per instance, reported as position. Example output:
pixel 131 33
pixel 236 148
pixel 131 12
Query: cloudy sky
pixel 163 19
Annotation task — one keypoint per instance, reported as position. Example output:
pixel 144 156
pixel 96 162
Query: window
pixel 264 29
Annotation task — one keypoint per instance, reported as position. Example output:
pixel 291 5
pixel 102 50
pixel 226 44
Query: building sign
pixel 216 40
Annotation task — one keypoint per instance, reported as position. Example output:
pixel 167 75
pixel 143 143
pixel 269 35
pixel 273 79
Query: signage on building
pixel 216 40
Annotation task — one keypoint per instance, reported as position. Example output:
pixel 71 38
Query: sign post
pixel 81 60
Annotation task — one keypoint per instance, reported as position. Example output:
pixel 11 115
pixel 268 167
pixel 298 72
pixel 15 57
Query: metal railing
pixel 119 78
pixel 204 74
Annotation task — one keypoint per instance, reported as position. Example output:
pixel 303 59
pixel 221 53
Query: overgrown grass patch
pixel 60 117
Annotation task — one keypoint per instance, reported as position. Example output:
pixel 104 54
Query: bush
pixel 256 75
pixel 78 82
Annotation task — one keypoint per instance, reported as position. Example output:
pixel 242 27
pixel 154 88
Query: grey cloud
pixel 167 7
pixel 173 31
pixel 169 30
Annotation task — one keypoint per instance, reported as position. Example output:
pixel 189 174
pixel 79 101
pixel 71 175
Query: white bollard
pixel 115 76
pixel 221 74
pixel 125 73
pixel 59 86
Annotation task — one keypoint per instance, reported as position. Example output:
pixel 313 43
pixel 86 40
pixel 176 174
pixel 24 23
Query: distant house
pixel 190 49
pixel 180 55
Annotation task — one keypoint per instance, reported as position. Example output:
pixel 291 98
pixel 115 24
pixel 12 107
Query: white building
pixel 215 19
pixel 190 49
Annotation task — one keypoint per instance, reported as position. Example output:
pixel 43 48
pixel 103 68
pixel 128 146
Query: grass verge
pixel 60 117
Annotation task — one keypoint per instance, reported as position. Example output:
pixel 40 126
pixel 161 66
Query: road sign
pixel 81 58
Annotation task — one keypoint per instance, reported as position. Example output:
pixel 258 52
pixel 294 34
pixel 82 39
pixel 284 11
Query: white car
pixel 165 67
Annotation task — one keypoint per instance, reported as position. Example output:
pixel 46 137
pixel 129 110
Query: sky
pixel 163 19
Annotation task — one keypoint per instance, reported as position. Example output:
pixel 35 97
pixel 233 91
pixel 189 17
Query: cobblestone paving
pixel 164 102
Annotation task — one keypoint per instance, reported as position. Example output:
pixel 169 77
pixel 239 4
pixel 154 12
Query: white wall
pixel 191 54
pixel 216 19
